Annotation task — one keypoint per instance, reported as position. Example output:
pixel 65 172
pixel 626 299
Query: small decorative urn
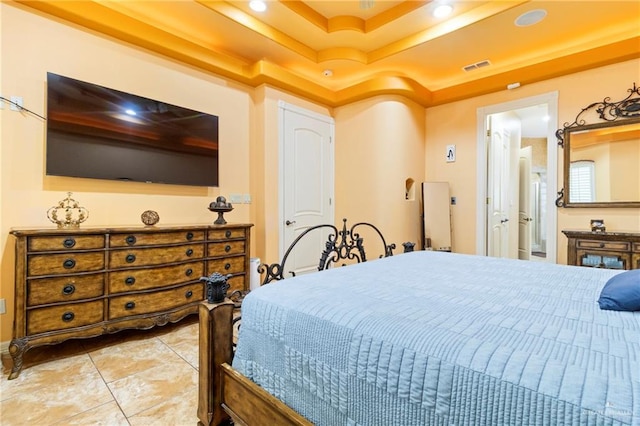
pixel 67 214
pixel 220 206
pixel 216 287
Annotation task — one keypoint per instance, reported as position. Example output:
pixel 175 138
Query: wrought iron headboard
pixel 345 244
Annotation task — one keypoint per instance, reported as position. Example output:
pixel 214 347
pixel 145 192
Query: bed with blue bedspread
pixel 430 338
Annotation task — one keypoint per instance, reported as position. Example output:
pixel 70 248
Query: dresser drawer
pixel 148 239
pixel 236 283
pixel 41 291
pixel 143 279
pixel 225 234
pixel 603 245
pixel 636 247
pixel 60 242
pixel 154 256
pixel 225 248
pixel 64 263
pixel 146 303
pixel 229 265
pixel 63 317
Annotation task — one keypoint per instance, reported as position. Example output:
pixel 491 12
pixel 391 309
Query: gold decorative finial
pixel 68 213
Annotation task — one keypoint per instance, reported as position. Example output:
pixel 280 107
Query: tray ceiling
pixel 336 52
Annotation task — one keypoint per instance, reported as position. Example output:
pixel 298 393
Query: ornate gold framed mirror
pixel 602 159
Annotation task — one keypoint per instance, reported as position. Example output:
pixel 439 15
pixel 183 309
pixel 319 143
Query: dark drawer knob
pixel 69 242
pixel 188 294
pixel 601 245
pixel 129 280
pixel 227 234
pixel 130 258
pixel 68 289
pixel 68 316
pixel 227 266
pixel 131 239
pixel 227 248
pixel 69 264
pixel 189 252
pixel 188 272
pixel 189 236
pixel 129 305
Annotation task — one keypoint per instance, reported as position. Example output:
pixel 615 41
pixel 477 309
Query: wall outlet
pixel 16 103
pixel 3 306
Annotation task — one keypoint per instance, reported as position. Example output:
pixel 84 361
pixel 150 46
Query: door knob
pixel 289 222
pixel 504 220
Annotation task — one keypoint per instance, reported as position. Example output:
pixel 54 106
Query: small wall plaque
pixel 451 153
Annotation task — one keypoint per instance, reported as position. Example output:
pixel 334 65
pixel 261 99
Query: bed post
pixel 215 348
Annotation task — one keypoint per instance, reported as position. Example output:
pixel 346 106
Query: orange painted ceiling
pixel 371 47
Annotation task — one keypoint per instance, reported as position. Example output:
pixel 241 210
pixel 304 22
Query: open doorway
pixel 513 137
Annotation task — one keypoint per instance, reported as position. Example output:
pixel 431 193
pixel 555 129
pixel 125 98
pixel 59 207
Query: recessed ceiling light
pixel 327 73
pixel 258 5
pixel 442 10
pixel 530 18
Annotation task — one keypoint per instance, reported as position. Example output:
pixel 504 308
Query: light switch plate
pixel 235 198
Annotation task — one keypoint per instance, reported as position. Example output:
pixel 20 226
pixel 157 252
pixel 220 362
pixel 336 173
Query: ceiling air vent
pixel 477 65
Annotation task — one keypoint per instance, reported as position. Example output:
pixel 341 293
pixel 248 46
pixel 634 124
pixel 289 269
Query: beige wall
pixel 538 151
pixel 379 145
pixel 456 123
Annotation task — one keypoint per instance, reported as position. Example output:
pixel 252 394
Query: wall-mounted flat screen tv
pixel 101 133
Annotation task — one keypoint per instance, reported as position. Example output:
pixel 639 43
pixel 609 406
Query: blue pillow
pixel 621 292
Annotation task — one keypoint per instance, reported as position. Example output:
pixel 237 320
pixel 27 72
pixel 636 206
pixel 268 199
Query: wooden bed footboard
pixel 215 343
pixel 223 393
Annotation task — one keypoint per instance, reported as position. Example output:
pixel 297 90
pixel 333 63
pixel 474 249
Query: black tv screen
pixel 101 133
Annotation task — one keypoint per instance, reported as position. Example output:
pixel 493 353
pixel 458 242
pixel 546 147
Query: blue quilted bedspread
pixel 429 338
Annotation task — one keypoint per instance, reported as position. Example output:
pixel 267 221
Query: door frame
pixel 282 108
pixel 551 99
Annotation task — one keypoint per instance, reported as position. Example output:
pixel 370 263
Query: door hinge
pixel 329 201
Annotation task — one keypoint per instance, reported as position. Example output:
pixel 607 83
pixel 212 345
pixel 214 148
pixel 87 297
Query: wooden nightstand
pixel 612 250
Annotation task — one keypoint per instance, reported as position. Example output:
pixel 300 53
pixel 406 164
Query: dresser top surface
pixel 18 232
pixel 585 233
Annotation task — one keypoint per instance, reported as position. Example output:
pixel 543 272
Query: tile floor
pixel 129 378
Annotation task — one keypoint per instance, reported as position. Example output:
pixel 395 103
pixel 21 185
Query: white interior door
pixel 524 204
pixel 498 187
pixel 307 177
pixel 548 173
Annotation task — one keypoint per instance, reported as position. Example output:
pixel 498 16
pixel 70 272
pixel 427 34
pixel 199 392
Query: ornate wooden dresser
pixel 613 250
pixel 77 283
